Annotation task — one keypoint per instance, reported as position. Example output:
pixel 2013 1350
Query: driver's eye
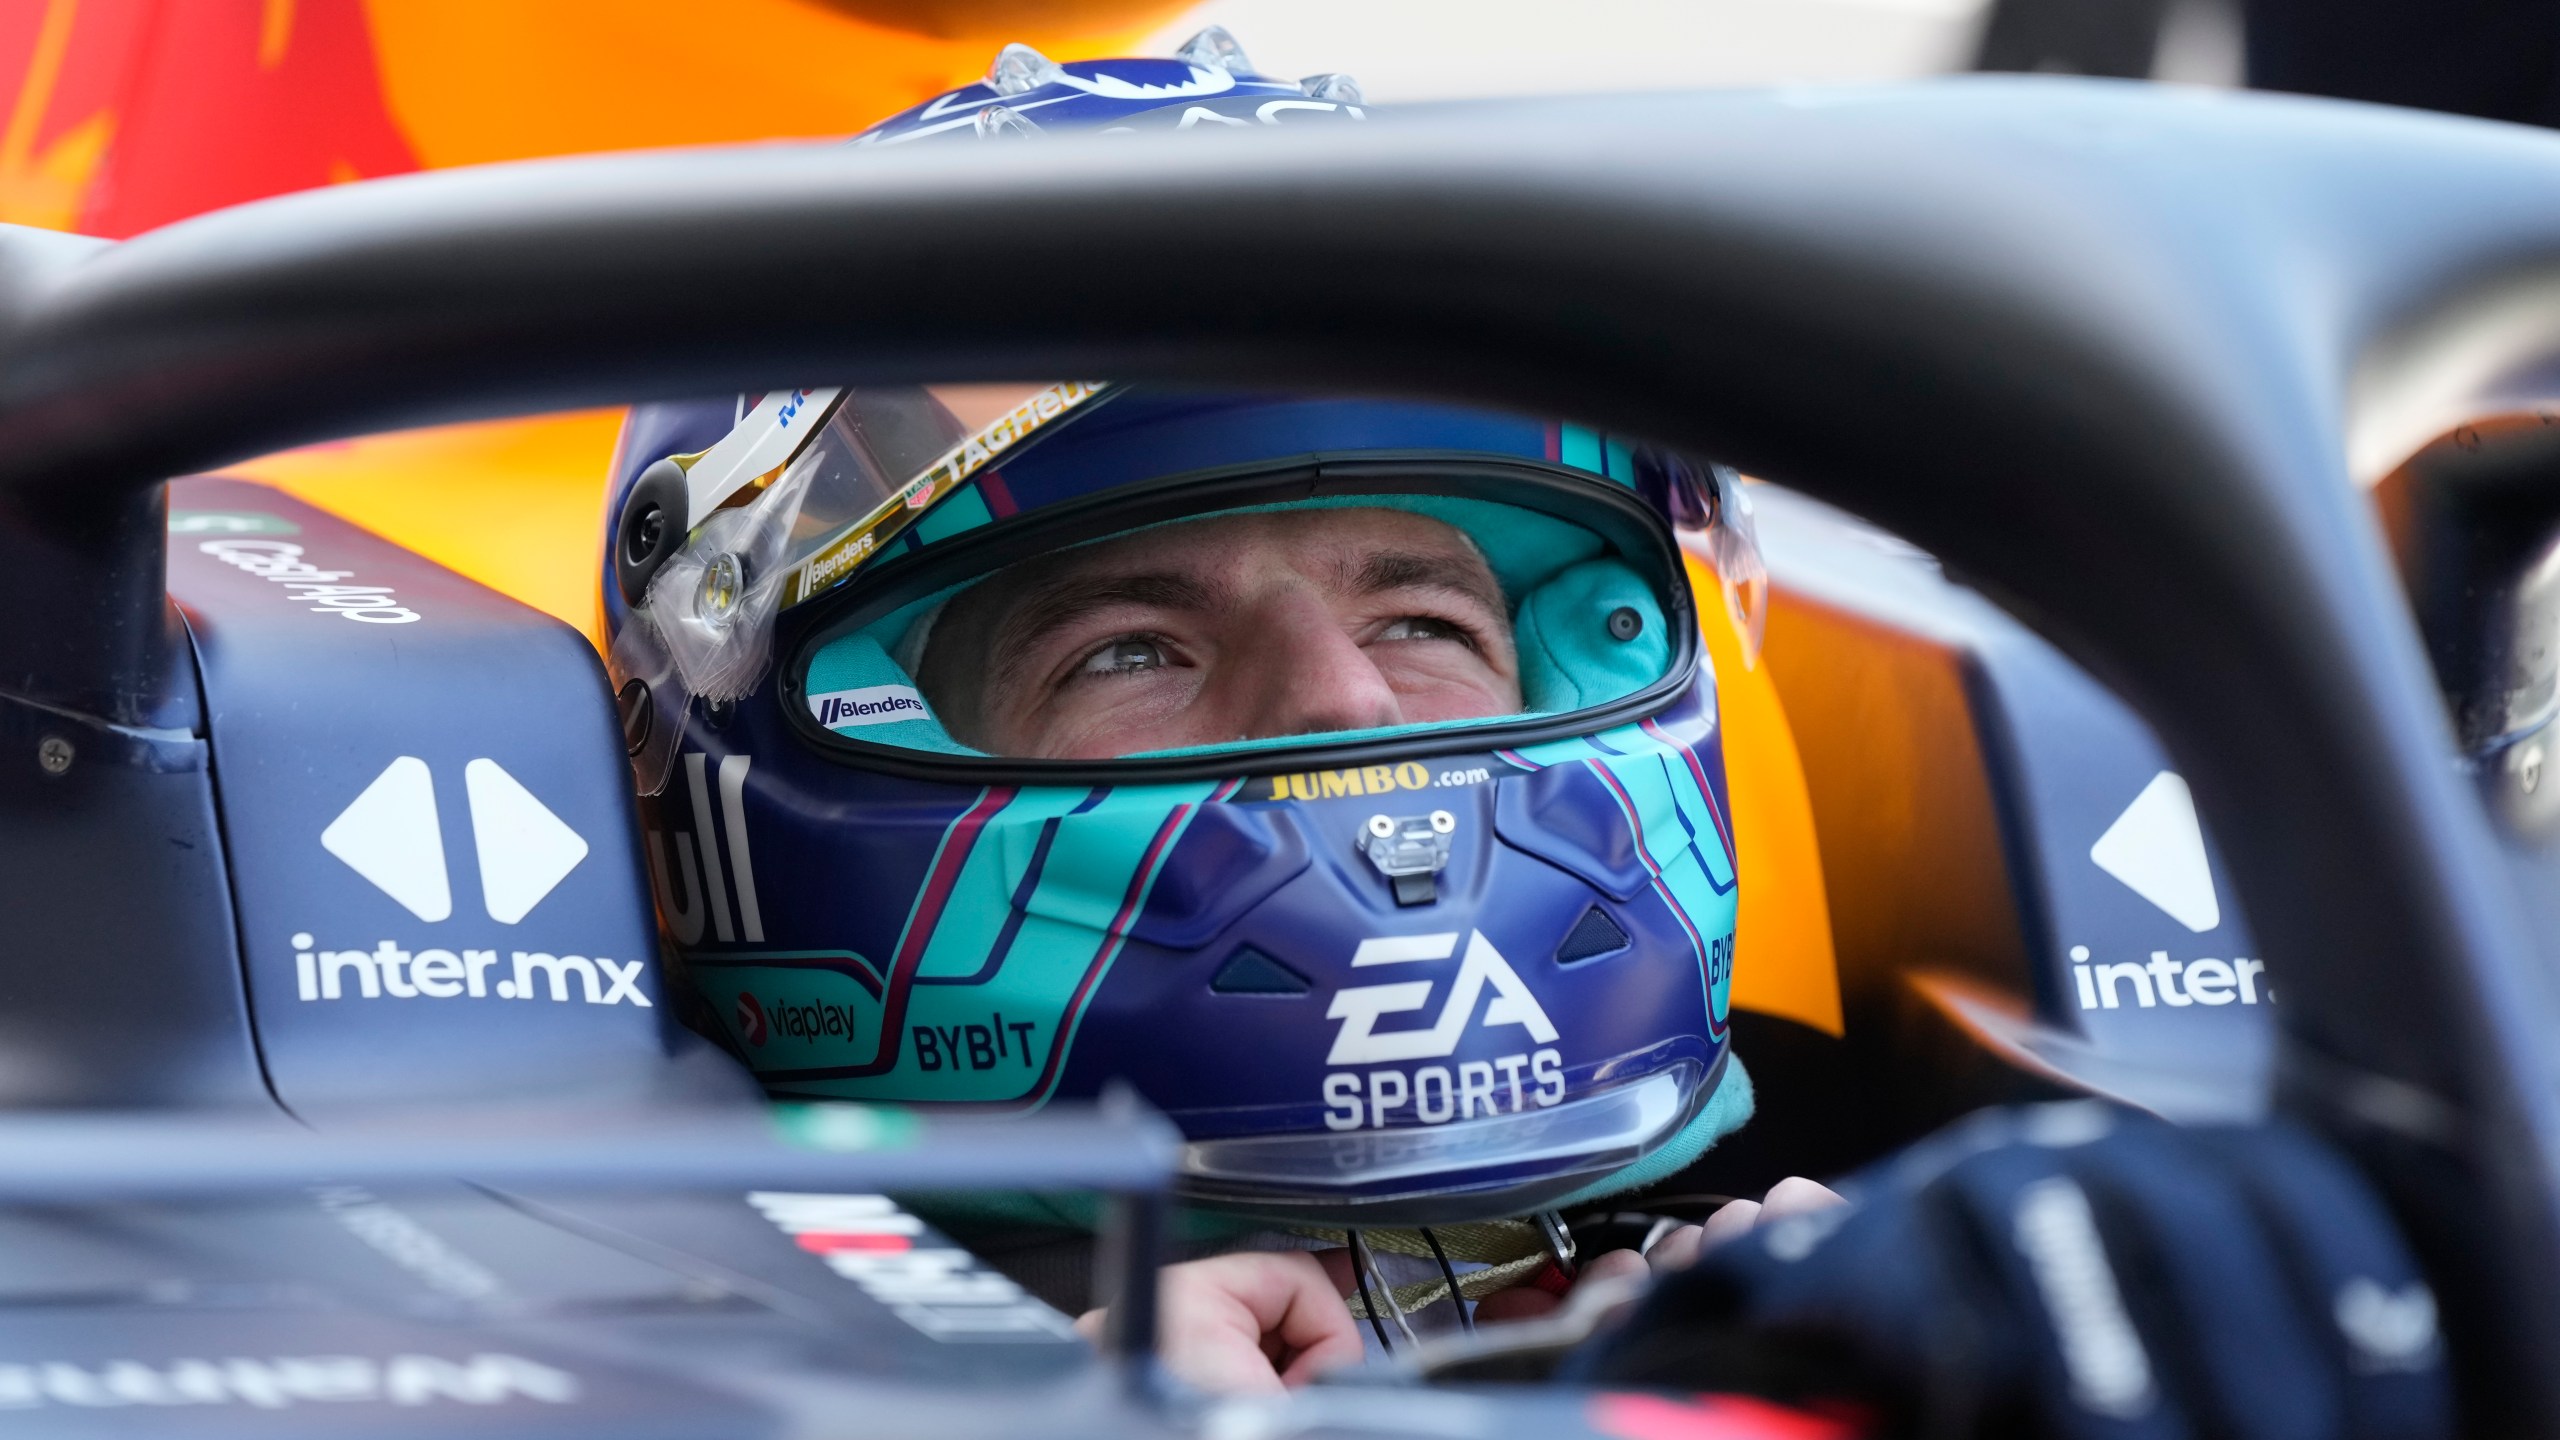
pixel 1124 657
pixel 1422 627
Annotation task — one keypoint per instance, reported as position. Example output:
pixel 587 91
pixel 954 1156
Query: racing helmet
pixel 1408 974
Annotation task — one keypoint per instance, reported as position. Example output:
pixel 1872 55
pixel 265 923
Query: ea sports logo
pixel 1361 1007
pixel 751 1026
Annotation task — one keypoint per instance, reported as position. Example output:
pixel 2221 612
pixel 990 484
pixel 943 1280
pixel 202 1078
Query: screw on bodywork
pixel 54 754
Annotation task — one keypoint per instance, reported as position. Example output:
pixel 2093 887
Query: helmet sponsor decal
pixel 1359 1007
pixel 869 705
pixel 838 556
pixel 698 879
pixel 942 1016
pixel 796 1011
pixel 1436 1094
pixel 1365 780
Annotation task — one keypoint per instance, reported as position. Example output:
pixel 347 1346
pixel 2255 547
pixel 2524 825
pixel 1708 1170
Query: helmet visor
pixel 1303 603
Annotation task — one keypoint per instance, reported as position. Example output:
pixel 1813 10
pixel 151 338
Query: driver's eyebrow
pixel 1380 571
pixel 1050 608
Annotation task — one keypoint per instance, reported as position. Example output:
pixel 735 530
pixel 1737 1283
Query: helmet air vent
pixel 1215 49
pixel 1595 934
pixel 1334 86
pixel 1018 68
pixel 1250 972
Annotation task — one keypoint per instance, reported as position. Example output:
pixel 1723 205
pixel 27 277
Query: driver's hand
pixel 1254 1321
pixel 1260 1321
pixel 1678 1250
pixel 1794 1195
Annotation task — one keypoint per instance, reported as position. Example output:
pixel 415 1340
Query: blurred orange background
pixel 124 115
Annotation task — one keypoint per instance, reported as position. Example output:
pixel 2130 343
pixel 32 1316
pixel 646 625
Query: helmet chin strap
pixel 1449 1273
pixel 1364 1265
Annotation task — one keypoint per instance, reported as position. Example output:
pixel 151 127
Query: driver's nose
pixel 1308 676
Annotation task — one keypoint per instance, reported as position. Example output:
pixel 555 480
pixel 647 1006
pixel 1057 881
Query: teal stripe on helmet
pixel 1580 449
pixel 1558 752
pixel 1135 804
pixel 916 906
pixel 1097 855
pixel 1679 844
pixel 1066 938
pixel 962 510
pixel 980 900
pixel 1698 812
pixel 1619 460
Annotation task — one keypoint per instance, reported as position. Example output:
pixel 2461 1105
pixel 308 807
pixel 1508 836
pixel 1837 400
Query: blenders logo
pixel 751 1022
pixel 871 705
pixel 1436 1094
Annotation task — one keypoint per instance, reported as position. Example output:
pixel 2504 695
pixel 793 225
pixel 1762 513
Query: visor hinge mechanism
pixel 1410 850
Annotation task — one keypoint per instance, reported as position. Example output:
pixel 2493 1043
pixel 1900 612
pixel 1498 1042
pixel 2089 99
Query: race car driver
pixel 1342 774
pixel 1246 627
pixel 1181 727
pixel 1080 734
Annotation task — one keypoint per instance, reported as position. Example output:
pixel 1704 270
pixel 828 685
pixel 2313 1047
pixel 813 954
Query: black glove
pixel 2074 1270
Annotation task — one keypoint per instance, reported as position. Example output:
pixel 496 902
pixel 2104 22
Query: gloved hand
pixel 2074 1270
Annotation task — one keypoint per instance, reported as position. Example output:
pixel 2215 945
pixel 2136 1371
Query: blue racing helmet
pixel 1402 974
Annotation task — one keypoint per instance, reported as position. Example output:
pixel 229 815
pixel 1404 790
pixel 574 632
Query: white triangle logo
pixel 389 836
pixel 524 849
pixel 2156 848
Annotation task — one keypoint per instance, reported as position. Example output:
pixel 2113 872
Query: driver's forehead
pixel 1229 553
pixel 1317 543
